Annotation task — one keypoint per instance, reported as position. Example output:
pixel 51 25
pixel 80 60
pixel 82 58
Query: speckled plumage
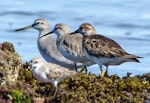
pixel 100 46
pixel 102 50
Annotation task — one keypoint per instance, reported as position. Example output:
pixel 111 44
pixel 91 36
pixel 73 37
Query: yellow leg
pixel 82 69
pixel 102 72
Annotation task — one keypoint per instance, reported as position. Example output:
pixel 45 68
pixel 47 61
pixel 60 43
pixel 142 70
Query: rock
pixel 10 63
pixel 7 46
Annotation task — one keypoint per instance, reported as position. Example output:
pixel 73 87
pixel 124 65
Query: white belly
pixel 105 60
pixel 40 75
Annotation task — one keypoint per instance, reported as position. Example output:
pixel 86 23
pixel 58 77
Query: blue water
pixel 126 21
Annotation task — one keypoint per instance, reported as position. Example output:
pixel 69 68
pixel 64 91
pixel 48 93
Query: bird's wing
pixel 72 43
pixel 59 72
pixel 101 46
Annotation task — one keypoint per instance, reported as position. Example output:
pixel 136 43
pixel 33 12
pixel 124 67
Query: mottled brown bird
pixel 102 50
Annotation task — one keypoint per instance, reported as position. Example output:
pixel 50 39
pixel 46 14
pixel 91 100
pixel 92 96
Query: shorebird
pixel 70 46
pixel 47 45
pixel 102 50
pixel 49 72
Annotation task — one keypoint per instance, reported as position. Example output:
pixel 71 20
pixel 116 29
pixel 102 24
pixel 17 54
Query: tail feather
pixel 132 57
pixel 135 59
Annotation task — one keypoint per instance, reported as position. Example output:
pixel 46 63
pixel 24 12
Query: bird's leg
pixel 106 72
pixel 102 72
pixel 85 68
pixel 56 87
pixel 56 90
pixel 75 65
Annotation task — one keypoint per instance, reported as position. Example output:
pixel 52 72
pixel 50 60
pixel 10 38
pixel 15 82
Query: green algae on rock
pixel 10 63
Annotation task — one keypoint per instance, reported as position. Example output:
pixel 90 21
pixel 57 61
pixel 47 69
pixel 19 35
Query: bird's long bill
pixel 24 28
pixel 77 31
pixel 27 27
pixel 48 33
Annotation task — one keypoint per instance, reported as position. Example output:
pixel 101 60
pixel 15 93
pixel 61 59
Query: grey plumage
pixel 47 44
pixel 70 46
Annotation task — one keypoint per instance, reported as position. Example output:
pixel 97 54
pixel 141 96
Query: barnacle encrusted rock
pixel 10 63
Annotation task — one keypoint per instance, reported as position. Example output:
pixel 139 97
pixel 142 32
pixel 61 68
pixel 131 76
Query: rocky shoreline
pixel 17 85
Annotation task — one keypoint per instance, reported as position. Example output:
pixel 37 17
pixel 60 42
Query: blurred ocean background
pixel 125 21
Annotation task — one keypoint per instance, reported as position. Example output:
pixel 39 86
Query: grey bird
pixel 102 50
pixel 47 45
pixel 70 46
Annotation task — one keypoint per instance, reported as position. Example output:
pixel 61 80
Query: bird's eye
pixel 57 27
pixel 41 23
pixel 36 62
pixel 81 28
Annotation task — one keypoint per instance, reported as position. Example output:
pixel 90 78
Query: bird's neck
pixel 60 35
pixel 84 37
pixel 43 32
pixel 83 41
pixel 37 68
